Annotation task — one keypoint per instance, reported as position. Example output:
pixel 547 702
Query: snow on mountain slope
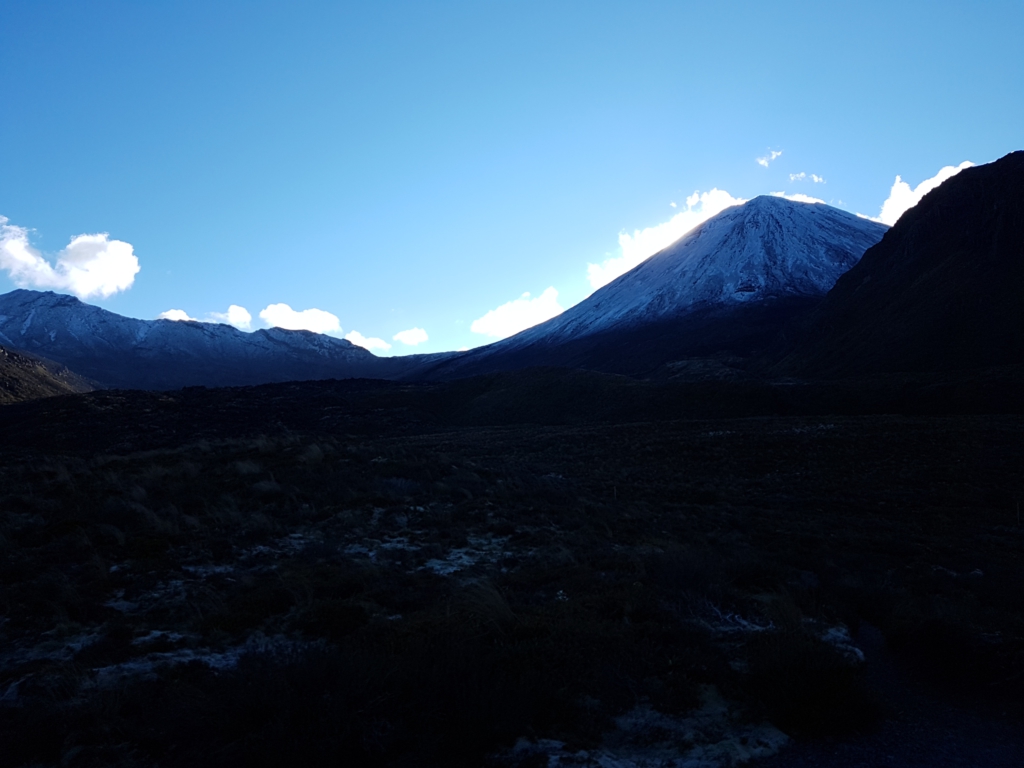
pixel 730 283
pixel 767 248
pixel 58 323
pixel 163 354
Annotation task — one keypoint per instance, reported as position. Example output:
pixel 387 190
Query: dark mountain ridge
pixel 942 291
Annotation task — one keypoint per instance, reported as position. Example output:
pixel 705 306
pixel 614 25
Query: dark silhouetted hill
pixel 941 292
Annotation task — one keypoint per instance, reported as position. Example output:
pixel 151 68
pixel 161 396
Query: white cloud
pixel 411 337
pixel 177 315
pixel 804 176
pixel 366 343
pixel 236 316
pixel 518 315
pixel 767 159
pixel 91 265
pixel 798 197
pixel 902 197
pixel 316 320
pixel 643 244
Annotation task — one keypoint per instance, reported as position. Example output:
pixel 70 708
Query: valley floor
pixel 286 577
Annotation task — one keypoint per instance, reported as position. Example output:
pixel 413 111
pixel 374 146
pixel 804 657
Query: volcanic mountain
pixel 124 352
pixel 940 292
pixel 728 286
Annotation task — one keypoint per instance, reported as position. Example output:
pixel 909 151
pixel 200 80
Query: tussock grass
pixel 597 568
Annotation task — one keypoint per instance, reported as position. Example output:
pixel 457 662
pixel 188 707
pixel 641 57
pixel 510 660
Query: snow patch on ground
pixel 52 648
pixel 149 665
pixel 712 736
pixel 479 549
pixel 839 638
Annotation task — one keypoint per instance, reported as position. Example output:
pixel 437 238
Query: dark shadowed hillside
pixel 940 292
pixel 23 377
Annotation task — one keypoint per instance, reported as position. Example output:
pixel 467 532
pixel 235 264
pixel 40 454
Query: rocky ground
pixel 344 573
pixel 26 377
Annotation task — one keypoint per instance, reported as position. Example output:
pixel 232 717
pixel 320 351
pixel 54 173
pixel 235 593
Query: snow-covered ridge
pixel 50 322
pixel 164 354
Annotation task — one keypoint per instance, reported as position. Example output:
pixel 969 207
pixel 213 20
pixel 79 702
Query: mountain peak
pixel 772 201
pixel 769 247
pixel 766 260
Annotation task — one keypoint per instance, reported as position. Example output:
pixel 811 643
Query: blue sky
pixel 419 165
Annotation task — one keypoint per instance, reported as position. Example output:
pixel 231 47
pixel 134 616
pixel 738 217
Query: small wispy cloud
pixel 411 337
pixel 370 343
pixel 804 176
pixel 316 320
pixel 769 158
pixel 518 315
pixel 798 197
pixel 902 197
pixel 90 265
pixel 643 244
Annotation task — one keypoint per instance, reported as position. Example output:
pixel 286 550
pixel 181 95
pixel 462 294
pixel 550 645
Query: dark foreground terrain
pixel 509 572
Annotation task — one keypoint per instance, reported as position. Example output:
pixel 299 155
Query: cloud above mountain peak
pixel 769 158
pixel 642 244
pixel 90 266
pixel 316 320
pixel 411 337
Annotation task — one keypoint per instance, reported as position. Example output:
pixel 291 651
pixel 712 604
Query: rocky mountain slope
pixel 126 352
pixel 728 285
pixel 25 377
pixel 940 292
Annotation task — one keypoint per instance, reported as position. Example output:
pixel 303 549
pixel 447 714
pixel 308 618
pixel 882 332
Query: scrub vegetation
pixel 337 573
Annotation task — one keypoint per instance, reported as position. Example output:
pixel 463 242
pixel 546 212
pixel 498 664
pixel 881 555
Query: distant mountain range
pixel 791 289
pixel 124 352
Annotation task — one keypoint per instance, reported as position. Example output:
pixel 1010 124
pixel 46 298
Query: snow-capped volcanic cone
pixel 727 286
